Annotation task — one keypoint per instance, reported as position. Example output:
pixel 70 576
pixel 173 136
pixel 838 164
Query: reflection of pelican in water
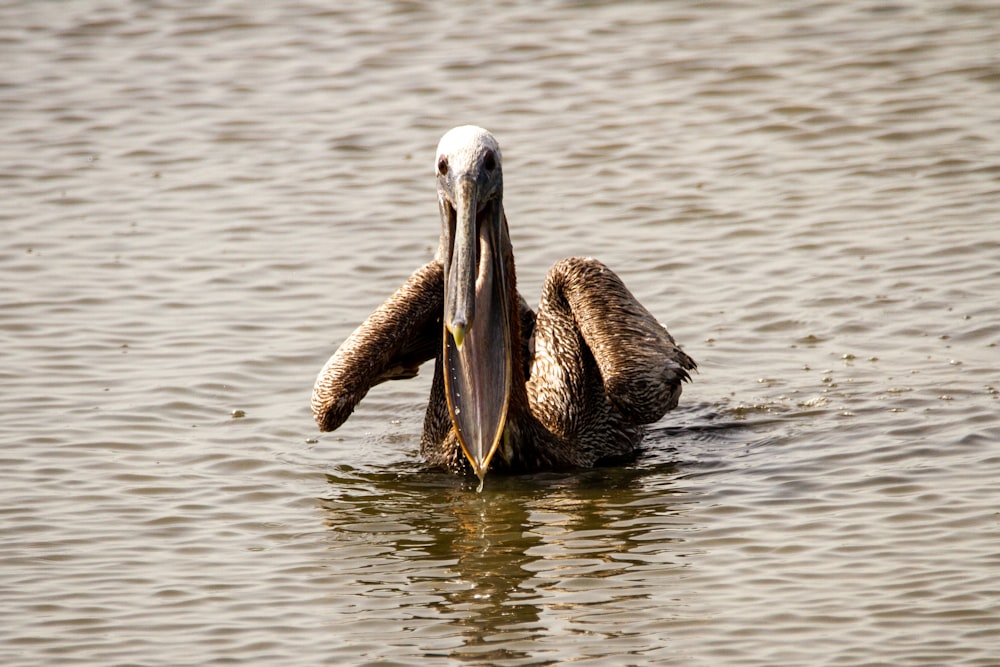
pixel 570 387
pixel 559 557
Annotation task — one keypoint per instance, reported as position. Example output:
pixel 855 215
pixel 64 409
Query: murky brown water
pixel 199 201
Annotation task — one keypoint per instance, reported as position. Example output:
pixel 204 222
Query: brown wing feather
pixel 401 334
pixel 640 365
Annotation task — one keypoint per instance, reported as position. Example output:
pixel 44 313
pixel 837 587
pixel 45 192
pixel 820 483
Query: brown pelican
pixel 569 387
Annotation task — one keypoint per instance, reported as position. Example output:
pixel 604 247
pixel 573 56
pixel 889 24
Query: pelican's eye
pixel 443 166
pixel 490 161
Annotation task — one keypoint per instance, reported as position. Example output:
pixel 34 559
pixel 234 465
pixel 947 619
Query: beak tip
pixel 457 330
pixel 480 466
pixel 480 471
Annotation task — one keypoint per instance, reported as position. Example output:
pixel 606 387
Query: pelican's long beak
pixel 477 340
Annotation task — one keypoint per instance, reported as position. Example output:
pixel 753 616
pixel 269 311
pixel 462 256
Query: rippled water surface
pixel 201 200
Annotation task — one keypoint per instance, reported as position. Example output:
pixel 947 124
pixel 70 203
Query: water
pixel 201 201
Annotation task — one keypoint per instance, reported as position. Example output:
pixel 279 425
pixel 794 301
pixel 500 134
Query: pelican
pixel 571 386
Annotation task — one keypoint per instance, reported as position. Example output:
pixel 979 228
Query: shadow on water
pixel 496 564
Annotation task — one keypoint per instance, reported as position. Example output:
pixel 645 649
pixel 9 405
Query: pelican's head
pixel 474 246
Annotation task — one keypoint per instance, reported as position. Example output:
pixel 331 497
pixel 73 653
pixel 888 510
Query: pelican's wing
pixel 401 334
pixel 641 366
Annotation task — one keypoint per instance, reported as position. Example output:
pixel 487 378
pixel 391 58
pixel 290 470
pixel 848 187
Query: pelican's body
pixel 569 387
